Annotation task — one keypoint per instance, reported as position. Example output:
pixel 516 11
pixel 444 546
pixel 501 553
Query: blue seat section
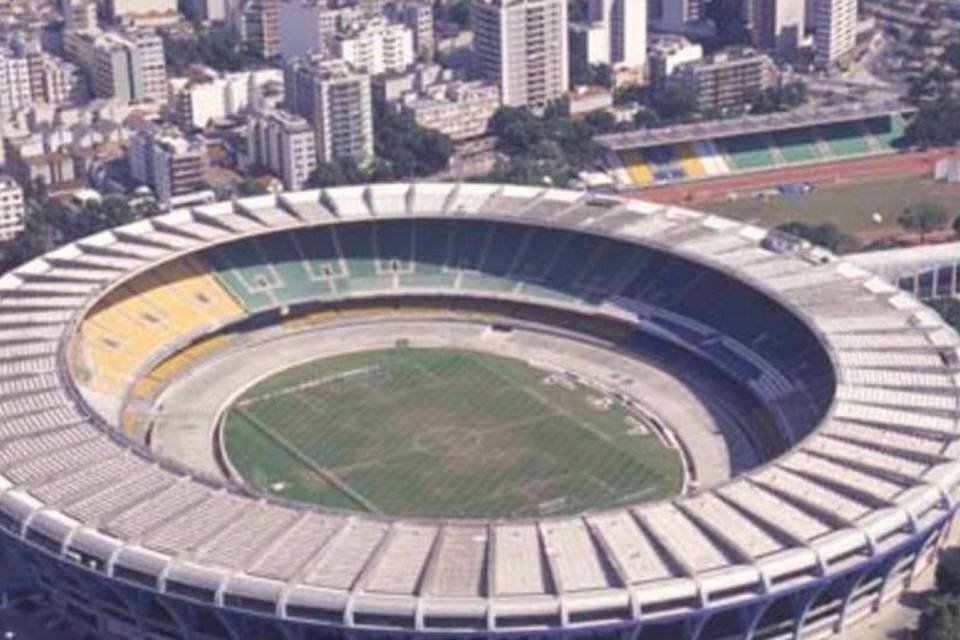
pixel 395 245
pixel 540 249
pixel 318 248
pixel 357 246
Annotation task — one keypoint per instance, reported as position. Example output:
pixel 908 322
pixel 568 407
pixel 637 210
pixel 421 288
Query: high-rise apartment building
pixel 15 92
pixel 13 209
pixel 127 66
pixel 376 47
pixel 625 23
pixel 284 144
pixel 260 26
pixel 674 15
pixel 168 163
pixel 416 15
pixel 835 36
pixel 778 26
pixel 726 80
pixel 336 101
pixel 522 46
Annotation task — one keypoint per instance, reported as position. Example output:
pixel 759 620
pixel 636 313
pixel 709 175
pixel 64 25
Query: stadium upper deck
pixel 808 543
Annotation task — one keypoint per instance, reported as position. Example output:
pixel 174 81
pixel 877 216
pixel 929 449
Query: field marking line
pixel 326 474
pixel 600 483
pixel 564 413
pixel 315 382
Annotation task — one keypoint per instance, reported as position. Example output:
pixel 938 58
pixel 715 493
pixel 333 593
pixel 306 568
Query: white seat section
pixel 931 445
pixel 402 560
pixel 862 454
pixel 805 491
pixel 348 555
pixel 188 531
pixel 897 379
pixel 84 448
pixel 120 495
pixel 832 472
pixel 774 511
pixel 890 360
pixel 689 544
pixel 896 417
pixel 237 546
pixel 459 564
pixel 296 546
pixel 143 517
pixel 629 547
pixel 898 398
pixel 744 533
pixel 572 556
pixel 518 562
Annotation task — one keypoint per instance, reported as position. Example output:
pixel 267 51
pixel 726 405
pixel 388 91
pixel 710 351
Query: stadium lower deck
pixel 860 378
pixel 711 158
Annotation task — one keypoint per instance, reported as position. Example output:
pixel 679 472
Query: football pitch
pixel 443 433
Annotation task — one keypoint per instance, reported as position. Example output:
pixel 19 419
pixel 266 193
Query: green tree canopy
pixel 923 218
pixel 826 235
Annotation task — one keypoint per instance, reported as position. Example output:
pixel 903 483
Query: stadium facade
pixel 858 491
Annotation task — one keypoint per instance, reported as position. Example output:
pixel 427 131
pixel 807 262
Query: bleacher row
pixel 726 156
pixel 874 480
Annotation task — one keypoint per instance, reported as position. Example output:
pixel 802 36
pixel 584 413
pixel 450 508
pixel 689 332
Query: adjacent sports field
pixel 446 433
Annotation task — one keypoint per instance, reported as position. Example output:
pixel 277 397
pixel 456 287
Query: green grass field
pixel 849 206
pixel 443 433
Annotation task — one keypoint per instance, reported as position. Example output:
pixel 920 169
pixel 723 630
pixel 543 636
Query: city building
pixel 726 80
pixel 416 15
pixel 260 26
pixel 170 164
pixel 15 91
pixel 667 52
pixel 778 26
pixel 210 96
pixel 124 65
pixel 589 43
pixel 336 100
pixel 307 28
pixel 674 15
pixel 522 46
pixel 285 145
pixel 461 110
pixel 835 35
pixel 80 15
pixel 376 47
pixel 13 209
pixel 142 12
pixel 205 10
pixel 625 23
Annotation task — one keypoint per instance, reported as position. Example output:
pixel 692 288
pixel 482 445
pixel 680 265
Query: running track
pixel 864 170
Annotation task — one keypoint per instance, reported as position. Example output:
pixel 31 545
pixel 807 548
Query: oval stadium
pixel 464 410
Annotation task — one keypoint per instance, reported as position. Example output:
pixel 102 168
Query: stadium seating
pixel 134 322
pixel 690 161
pixel 749 152
pixel 845 139
pixel 797 145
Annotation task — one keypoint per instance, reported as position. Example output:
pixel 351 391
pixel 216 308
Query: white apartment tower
pixel 522 46
pixel 673 15
pixel 336 101
pixel 167 162
pixel 15 92
pixel 836 31
pixel 625 21
pixel 377 47
pixel 285 145
pixel 778 26
pixel 13 210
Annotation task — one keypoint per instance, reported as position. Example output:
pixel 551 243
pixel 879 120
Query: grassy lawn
pixel 849 206
pixel 437 432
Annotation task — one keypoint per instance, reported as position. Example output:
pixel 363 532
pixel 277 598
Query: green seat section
pixel 498 258
pixel 540 248
pixel 748 152
pixel 573 260
pixel 283 254
pixel 608 269
pixel 845 138
pixel 357 247
pixel 889 132
pixel 240 267
pixel 395 246
pixel 431 246
pixel 317 246
pixel 797 145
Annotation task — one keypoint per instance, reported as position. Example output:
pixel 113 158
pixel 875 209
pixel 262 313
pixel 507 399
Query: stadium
pixel 463 410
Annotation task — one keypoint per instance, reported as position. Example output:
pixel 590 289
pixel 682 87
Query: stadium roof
pixel 749 124
pixel 70 485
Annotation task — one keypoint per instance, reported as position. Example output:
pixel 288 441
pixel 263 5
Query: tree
pixel 675 105
pixel 250 187
pixel 826 235
pixel 948 571
pixel 940 619
pixel 926 217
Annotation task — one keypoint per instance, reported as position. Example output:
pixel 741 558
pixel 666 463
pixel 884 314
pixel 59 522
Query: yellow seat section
pixel 133 323
pixel 690 160
pixel 166 370
pixel 638 167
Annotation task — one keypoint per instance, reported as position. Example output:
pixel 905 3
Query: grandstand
pixel 754 144
pixel 859 488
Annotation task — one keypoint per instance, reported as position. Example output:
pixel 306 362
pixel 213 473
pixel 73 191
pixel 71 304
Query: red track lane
pixel 864 170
